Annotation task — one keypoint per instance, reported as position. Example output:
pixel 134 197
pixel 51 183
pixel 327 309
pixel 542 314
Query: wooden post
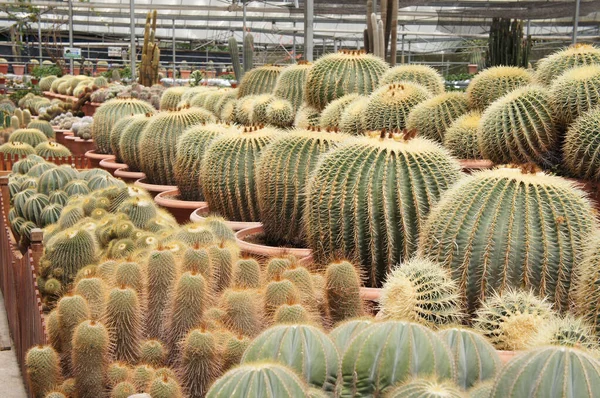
pixel 5 196
pixel 37 248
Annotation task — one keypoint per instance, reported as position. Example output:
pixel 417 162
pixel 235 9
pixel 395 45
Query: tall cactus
pixel 150 52
pixel 235 58
pixel 248 52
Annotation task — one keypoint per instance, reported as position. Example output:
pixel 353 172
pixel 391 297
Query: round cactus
pixel 165 387
pixel 56 178
pixel 259 108
pixel 511 204
pixel 115 136
pixel 552 66
pixel 352 121
pixel 90 353
pixel 24 165
pixel 281 176
pixel 50 150
pixel 129 141
pixel 123 319
pixel 225 187
pixel 157 145
pixel 420 291
pixel 152 353
pixel 387 353
pixel 293 314
pixel 519 128
pixel 304 348
pixel 77 188
pixel 421 388
pixel 345 332
pixel 246 274
pixel 123 389
pixel 581 144
pixel 46 82
pixel 109 113
pixel 43 126
pixel 171 97
pixel 191 147
pixel 50 214
pixel 259 80
pixel 43 370
pixel 256 381
pixel 199 362
pixel 493 83
pixel 290 83
pixel 280 113
pixel 69 251
pixel 420 74
pixel 476 359
pixel 425 169
pixel 244 110
pixel 390 105
pixel 14 149
pixel 511 320
pixel 307 117
pixel 32 137
pixel 335 75
pixel 32 210
pixel 433 117
pixel 566 331
pixel 332 114
pixel 548 372
pixel 461 137
pixel 243 312
pixel 117 372
pixel 575 92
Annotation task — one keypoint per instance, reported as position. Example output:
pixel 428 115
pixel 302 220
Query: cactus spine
pixel 90 353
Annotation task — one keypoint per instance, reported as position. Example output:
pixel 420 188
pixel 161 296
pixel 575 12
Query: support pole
pixel 308 29
pixel 243 31
pixel 294 44
pixel 40 40
pixel 402 53
pixel 335 45
pixel 71 33
pixel 174 81
pixel 409 51
pixel 576 21
pixel 132 57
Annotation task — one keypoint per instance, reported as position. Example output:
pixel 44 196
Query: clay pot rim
pixel 153 187
pixel 125 173
pixel 111 164
pixel 199 215
pixel 62 131
pixel 79 139
pixel 162 200
pixel 97 156
pixel 264 250
pixel 474 164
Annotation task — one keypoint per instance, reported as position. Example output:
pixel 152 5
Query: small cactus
pixel 552 66
pixel 165 387
pixel 332 114
pixel 461 137
pixel 152 353
pixel 425 388
pixel 199 362
pixel 259 80
pixel 433 117
pixel 280 113
pixel 342 291
pixel 290 84
pixel 246 274
pixel 242 311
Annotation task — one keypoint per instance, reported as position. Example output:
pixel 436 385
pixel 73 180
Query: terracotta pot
pixel 34 81
pixel 169 73
pixel 153 189
pixel 233 85
pixel 263 250
pixel 60 136
pixel 370 293
pixel 78 146
pixel 185 74
pixel 101 69
pixel 592 188
pixel 19 70
pixel 469 165
pixel 203 211
pixel 76 70
pixel 111 165
pixel 89 109
pixel 180 209
pixel 129 177
pixel 4 69
pixel 95 158
pixel 472 69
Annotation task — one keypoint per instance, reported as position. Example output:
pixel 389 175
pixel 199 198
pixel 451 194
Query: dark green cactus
pixel 235 58
pixel 129 141
pixel 248 52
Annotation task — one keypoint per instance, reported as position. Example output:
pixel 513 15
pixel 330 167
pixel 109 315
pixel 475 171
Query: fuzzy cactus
pixel 246 274
pixel 109 113
pixel 566 331
pixel 433 117
pixel 123 319
pixel 46 82
pixel 165 387
pixel 117 372
pixel 548 372
pixel 352 120
pixel 345 332
pixel 552 66
pixel 142 376
pixel 389 106
pixel 243 312
pixel 332 113
pixel 171 97
pixel 314 356
pixel 123 390
pixel 152 353
pixel 292 314
pixel 423 388
pixel 43 370
pixel 157 145
pixel 575 92
pixel 90 353
pixel 461 137
pixel 476 359
pixel 290 83
pixel 495 82
pixel 421 291
pixel 225 187
pixel 233 350
pixel 43 126
pixel 222 260
pixel 259 80
pixel 161 273
pixel 130 274
pixel 424 75
pixel 243 112
pixel 49 150
pixel 280 113
pixel 342 291
pixel 345 72
pixel 199 362
pixel 94 291
pixel 243 382
pixel 426 170
pixel 387 353
pixel 519 256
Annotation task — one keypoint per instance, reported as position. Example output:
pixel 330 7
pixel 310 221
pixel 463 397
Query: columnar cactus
pixel 519 128
pixel 109 113
pixel 387 353
pixel 290 83
pixel 246 274
pixel 158 142
pixel 519 255
pixel 281 176
pixel 94 291
pixel 421 388
pixel 352 120
pixel 225 187
pixel 574 92
pixel 32 137
pixel 389 106
pixel 420 74
pixel 305 349
pixel 161 273
pixel 495 82
pixel 171 97
pixel 123 319
pixel 43 370
pixel 259 80
pixel 233 351
pixel 129 141
pixel 345 72
pixel 475 358
pixel 342 292
pixel 426 170
pixel 461 137
pixel 90 353
pixel 235 57
pixel 199 362
pixel 433 117
pixel 552 66
pixel 548 372
pixel 332 113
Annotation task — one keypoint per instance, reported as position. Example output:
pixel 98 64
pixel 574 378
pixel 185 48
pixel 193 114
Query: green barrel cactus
pixel 422 388
pixel 77 188
pixel 243 112
pixel 282 172
pixel 228 172
pixel 575 92
pixel 171 97
pixel 69 251
pixel 493 83
pixel 199 99
pixel 425 169
pixel 345 332
pixel 332 113
pixel 259 108
pixel 567 331
pixel 290 83
pixel 307 117
pixel 476 359
pixel 335 75
pixel 32 137
pixel 352 121
pixel 511 320
pixel 50 214
pixel 420 291
pixel 280 113
pixel 390 105
pixel 115 136
pixel 111 112
pixel 260 80
pixel 130 139
pixel 199 362
pixel 554 65
pixel 24 165
pixel 585 296
pixel 43 370
pixel 519 128
pixel 43 126
pixel 123 319
pixel 424 75
pixel 257 381
pixel 433 117
pixel 582 142
pixel 32 210
pixel 50 150
pixel 461 138
pixel 388 353
pixel 157 145
pixel 191 147
pixel 56 179
pixel 342 292
pixel 46 82
pixel 15 149
pixel 305 349
pixel 90 354
pixel 512 205
pixel 549 372
pixel 482 390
